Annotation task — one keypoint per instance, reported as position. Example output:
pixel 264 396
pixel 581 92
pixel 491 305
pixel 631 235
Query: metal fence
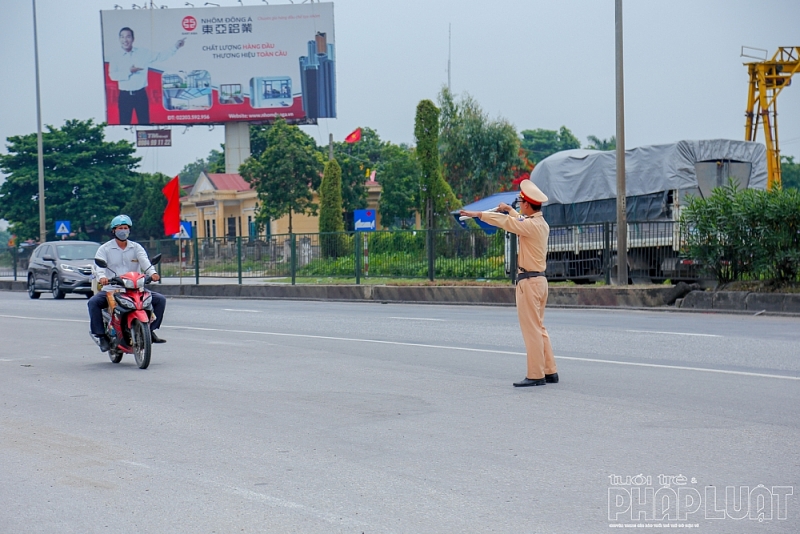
pixel 580 253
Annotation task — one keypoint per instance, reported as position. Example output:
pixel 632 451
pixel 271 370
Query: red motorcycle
pixel 128 316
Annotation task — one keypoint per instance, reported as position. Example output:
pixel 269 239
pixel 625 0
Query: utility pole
pixel 42 220
pixel 330 146
pixel 449 51
pixel 622 222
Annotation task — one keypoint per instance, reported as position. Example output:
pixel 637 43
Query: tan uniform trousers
pixel 531 300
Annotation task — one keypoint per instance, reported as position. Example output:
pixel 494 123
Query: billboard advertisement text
pixel 219 64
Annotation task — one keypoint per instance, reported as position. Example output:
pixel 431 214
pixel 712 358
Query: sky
pixel 538 64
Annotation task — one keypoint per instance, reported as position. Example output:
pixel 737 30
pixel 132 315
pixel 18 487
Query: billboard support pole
pixel 330 146
pixel 237 145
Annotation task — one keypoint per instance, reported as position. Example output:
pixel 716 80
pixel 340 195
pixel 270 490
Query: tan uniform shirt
pixel 533 232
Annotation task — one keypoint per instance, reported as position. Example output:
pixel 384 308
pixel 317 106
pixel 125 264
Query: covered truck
pixel 581 211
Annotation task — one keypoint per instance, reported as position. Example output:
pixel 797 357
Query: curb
pixel 741 301
pixel 681 297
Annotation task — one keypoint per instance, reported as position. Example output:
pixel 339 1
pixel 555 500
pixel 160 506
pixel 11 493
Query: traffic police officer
pixel 533 231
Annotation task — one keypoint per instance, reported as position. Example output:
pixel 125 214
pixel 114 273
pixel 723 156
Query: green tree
pixel 399 174
pixel 478 154
pixel 357 160
pixel 331 218
pixel 790 173
pixel 285 174
pixel 146 206
pixel 87 180
pixel 191 171
pixel 595 143
pixel 542 143
pixel 435 194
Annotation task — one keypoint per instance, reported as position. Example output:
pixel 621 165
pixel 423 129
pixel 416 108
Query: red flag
pixel 354 137
pixel 172 214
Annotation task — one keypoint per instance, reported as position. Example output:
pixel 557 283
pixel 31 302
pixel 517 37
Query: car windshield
pixel 77 252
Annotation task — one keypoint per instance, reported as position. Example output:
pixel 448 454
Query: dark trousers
pixel 98 303
pixel 134 100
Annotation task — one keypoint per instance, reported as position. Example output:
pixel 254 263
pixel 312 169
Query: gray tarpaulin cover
pixel 582 184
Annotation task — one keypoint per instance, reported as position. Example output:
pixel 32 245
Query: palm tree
pixel 602 144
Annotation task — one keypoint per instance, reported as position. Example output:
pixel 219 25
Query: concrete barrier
pixel 10 285
pixel 686 296
pixel 742 301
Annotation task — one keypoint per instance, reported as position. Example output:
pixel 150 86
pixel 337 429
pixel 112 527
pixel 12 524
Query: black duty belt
pixel 528 274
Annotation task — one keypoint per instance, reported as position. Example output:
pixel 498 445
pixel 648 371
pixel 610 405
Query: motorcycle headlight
pixel 140 283
pixel 147 303
pixel 69 268
pixel 129 284
pixel 124 302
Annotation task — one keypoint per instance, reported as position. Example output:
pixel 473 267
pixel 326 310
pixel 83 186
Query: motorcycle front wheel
pixel 142 343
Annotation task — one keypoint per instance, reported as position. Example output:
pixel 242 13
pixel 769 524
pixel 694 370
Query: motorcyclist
pixel 122 256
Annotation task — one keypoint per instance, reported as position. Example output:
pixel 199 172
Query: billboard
pixel 219 64
pixel 151 138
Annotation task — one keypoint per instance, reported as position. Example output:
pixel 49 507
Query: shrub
pixel 745 234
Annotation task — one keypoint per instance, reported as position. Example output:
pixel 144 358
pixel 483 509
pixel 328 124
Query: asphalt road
pixel 309 417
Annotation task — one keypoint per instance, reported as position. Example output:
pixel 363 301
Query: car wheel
pixel 32 293
pixel 56 286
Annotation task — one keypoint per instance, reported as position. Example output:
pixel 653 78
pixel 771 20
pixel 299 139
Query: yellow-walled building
pixel 224 205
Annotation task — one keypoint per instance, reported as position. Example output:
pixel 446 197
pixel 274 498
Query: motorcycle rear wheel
pixel 115 356
pixel 142 343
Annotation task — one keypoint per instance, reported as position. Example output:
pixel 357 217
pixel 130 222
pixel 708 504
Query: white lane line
pixel 240 310
pixel 489 351
pixel 415 319
pixel 44 319
pixel 137 464
pixel 672 333
pixel 445 347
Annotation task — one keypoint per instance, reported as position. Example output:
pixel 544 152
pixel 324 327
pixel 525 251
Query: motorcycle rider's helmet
pixel 120 220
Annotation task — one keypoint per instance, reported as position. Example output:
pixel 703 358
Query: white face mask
pixel 122 235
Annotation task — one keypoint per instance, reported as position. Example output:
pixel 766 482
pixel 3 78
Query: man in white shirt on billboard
pixel 129 69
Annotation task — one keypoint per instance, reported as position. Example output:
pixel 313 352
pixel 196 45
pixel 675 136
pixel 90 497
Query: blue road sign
pixel 364 220
pixel 186 231
pixel 62 228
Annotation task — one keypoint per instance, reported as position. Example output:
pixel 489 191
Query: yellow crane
pixel 767 80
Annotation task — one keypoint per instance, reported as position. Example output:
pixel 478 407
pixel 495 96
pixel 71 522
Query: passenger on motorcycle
pixel 122 256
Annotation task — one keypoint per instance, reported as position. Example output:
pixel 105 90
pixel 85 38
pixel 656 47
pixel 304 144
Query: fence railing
pixel 11 264
pixel 581 253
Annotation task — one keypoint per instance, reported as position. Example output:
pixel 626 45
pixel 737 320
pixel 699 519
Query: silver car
pixel 61 267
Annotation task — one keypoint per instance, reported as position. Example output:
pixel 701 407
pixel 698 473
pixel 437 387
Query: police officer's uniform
pixel 531 293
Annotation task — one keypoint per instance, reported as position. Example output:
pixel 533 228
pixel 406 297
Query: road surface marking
pixel 240 310
pixel 489 351
pixel 415 319
pixel 445 347
pixel 672 333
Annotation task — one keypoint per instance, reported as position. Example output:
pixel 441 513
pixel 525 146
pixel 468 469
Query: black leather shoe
pixel 155 339
pixel 530 382
pixel 104 342
pixel 551 379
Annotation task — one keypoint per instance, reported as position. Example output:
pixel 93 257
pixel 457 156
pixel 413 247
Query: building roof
pixel 188 188
pixel 228 182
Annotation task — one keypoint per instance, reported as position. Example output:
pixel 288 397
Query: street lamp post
pixel 622 223
pixel 42 220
